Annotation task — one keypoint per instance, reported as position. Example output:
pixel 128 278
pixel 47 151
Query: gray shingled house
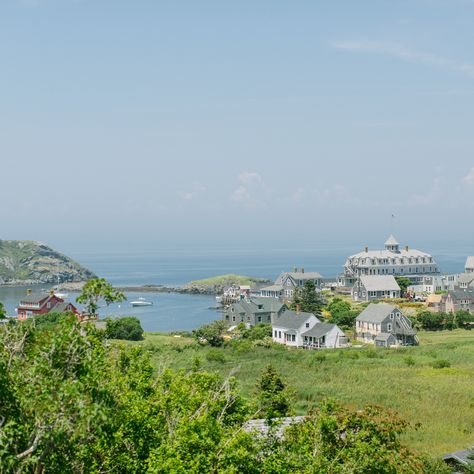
pixel 287 282
pixel 459 300
pixel 375 287
pixel 254 310
pixel 385 325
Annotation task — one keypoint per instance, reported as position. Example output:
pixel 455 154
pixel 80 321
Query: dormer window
pixel 307 325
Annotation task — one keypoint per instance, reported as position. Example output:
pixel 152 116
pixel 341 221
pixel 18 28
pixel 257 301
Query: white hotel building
pixel 411 263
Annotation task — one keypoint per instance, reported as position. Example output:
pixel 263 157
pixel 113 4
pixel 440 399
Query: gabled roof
pixel 297 276
pixel 35 298
pixel 461 295
pixel 391 241
pixel 293 320
pixel 61 307
pixel 251 305
pixel 320 329
pixel 379 283
pixel 384 336
pixel 463 457
pixel 470 262
pixel 375 312
pixel 466 278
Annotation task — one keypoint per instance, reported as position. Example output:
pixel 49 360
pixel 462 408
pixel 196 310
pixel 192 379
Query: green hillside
pixel 24 261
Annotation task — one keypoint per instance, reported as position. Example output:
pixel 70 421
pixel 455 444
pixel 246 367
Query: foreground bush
pixel 71 402
pixel 127 328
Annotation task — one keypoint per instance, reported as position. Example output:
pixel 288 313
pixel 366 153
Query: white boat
pixel 141 302
pixel 61 295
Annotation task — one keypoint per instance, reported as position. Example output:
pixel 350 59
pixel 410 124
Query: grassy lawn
pixel 439 403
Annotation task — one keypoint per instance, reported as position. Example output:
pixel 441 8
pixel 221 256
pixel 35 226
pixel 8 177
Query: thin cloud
pixel 406 54
pixel 469 178
pixel 196 190
pixel 251 192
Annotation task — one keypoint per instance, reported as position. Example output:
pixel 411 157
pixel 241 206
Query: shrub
pixel 409 361
pixel 215 355
pixel 318 358
pixel 441 364
pixel 127 328
pixel 212 334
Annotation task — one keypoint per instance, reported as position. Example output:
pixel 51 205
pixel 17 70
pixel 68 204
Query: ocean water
pixel 174 267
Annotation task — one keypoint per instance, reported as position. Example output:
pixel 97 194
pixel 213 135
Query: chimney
pixel 302 270
pixel 406 248
pixel 366 249
pixel 28 291
pixel 298 308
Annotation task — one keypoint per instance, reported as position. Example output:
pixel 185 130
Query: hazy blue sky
pixel 244 122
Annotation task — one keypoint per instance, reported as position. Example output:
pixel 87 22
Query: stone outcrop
pixel 24 262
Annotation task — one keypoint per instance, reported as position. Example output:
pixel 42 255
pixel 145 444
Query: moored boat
pixel 141 302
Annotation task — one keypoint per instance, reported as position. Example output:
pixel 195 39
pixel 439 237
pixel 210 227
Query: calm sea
pixel 174 312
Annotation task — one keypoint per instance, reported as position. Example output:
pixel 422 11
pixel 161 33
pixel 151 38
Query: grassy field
pixel 438 402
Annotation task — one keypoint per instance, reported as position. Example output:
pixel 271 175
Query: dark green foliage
pixel 307 299
pixel 273 396
pixel 257 332
pixel 73 402
pixel 439 321
pixel 441 364
pixel 338 440
pixel 127 328
pixel 212 334
pixel 409 361
pixel 342 313
pixel 2 310
pixel 403 283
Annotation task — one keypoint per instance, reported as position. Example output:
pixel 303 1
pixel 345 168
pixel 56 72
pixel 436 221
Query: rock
pixel 24 262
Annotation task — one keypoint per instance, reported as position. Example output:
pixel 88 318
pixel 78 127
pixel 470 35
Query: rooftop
pixel 293 320
pixel 376 312
pixel 391 241
pixel 379 283
pixel 319 330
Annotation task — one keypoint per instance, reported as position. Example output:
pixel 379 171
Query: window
pixel 391 316
pixel 275 333
pixel 307 325
pixel 389 327
pixel 259 319
pixel 293 338
pixel 279 334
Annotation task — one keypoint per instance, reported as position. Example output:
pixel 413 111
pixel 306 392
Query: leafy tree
pixel 2 310
pixel 403 283
pixel 257 332
pixel 96 290
pixel 431 321
pixel 342 313
pixel 212 334
pixel 127 328
pixel 307 298
pixel 273 395
pixel 73 402
pixel 463 318
pixel 335 439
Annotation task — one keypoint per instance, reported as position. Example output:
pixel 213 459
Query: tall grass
pixel 438 402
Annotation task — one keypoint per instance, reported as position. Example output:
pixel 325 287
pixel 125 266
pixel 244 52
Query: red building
pixel 33 305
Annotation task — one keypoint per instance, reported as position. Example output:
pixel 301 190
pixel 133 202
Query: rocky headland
pixel 25 262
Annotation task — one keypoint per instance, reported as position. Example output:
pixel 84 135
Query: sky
pixel 247 123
